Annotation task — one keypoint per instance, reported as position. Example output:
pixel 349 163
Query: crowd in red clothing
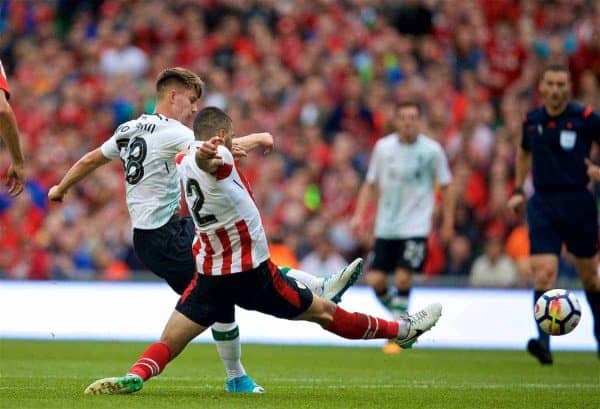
pixel 323 77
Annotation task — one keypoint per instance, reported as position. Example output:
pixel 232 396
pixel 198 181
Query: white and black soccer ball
pixel 557 312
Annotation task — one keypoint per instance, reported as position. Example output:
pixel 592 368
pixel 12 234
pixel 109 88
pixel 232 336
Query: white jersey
pixel 147 147
pixel 406 175
pixel 229 233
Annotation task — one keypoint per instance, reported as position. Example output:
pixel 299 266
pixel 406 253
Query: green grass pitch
pixel 40 374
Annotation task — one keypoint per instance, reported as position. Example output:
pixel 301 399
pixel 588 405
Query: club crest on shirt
pixel 567 139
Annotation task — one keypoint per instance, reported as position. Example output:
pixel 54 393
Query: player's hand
pixel 516 202
pixel 15 179
pixel 55 194
pixel 208 150
pixel 593 171
pixel 267 142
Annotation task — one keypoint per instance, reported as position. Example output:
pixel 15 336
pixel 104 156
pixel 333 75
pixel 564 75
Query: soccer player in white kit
pixel 403 172
pixel 234 268
pixel 162 239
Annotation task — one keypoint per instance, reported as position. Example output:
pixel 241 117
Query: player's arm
pixel 593 123
pixel 83 167
pixel 593 170
pixel 10 135
pixel 244 144
pixel 448 207
pixel 368 192
pixel 523 166
pixel 443 178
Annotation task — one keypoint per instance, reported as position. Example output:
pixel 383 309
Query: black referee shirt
pixel 559 145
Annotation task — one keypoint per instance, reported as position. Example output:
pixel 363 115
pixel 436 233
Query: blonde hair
pixel 178 76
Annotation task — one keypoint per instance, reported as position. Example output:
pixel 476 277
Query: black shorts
pixel 567 217
pixel 211 299
pixel 167 251
pixel 404 253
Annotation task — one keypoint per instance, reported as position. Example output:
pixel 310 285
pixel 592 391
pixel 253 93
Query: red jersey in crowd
pixel 3 81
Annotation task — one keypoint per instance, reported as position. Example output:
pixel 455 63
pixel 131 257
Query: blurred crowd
pixel 323 77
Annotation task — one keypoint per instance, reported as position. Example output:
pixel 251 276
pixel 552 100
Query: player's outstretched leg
pixel 331 287
pixel 117 385
pixel 356 325
pixel 335 285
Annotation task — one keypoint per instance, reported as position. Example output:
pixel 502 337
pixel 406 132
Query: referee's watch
pixel 518 191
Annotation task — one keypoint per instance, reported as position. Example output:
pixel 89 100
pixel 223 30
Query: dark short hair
pixel 208 122
pixel 555 68
pixel 409 104
pixel 180 77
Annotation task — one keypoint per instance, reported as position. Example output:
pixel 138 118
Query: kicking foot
pixel 243 384
pixel 419 323
pixel 539 350
pixel 117 385
pixel 335 285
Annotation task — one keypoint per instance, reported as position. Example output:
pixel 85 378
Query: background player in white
pixel 162 239
pixel 234 268
pixel 403 172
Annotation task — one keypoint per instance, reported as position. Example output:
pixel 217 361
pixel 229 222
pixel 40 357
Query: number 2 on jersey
pixel 192 189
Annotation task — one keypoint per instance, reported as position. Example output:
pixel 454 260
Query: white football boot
pixel 336 284
pixel 419 323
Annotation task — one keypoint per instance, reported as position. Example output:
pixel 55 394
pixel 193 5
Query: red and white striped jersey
pixel 230 237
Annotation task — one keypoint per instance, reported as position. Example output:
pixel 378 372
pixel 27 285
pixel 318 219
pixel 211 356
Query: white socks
pixel 227 338
pixel 315 284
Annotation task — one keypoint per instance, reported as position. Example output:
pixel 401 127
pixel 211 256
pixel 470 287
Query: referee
pixel 556 145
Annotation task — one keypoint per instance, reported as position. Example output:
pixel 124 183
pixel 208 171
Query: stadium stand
pixel 322 77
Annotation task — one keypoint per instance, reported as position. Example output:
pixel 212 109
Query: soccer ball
pixel 557 312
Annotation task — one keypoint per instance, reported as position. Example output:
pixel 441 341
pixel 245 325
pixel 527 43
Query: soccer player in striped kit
pixel 162 239
pixel 234 267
